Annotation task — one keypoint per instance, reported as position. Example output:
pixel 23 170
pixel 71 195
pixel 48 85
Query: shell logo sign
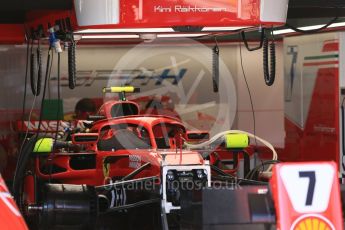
pixel 312 223
pixel 307 196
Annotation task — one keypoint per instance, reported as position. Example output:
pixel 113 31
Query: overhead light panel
pixel 120 36
pixel 134 36
pixel 284 31
pixel 152 30
pixel 180 35
pixel 209 29
pixel 137 30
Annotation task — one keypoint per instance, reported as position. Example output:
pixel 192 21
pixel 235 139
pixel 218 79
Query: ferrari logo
pixel 312 223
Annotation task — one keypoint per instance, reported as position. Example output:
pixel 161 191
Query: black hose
pixel 40 69
pixel 25 81
pixel 252 173
pixel 343 132
pixel 20 169
pixel 245 41
pixel 32 67
pixel 269 70
pixel 215 68
pixel 25 154
pixel 251 182
pixel 72 72
pixel 36 60
pixel 47 76
pixel 312 31
pixel 24 99
pixel 58 97
pixel 57 113
pixel 134 205
pixel 32 74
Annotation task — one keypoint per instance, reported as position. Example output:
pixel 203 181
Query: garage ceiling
pixel 316 8
pixel 13 11
pixel 301 13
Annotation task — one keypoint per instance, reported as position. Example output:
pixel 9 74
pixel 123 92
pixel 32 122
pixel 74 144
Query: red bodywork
pixel 10 217
pixel 122 165
pixel 124 160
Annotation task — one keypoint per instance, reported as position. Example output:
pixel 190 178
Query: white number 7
pixel 311 188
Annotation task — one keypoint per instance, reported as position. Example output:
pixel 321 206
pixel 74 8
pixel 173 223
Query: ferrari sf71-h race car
pixel 122 170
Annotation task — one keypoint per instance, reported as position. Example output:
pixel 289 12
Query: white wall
pixel 268 101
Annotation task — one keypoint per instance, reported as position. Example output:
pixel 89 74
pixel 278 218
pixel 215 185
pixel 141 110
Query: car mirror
pixel 197 136
pixel 85 138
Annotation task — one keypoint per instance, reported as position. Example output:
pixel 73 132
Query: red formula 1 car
pixel 123 170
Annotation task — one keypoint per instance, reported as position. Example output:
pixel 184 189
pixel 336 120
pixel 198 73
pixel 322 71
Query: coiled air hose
pixel 36 60
pixel 72 73
pixel 215 68
pixel 269 69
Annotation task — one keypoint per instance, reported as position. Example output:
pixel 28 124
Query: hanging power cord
pixel 47 76
pixel 255 170
pixel 269 69
pixel 51 157
pixel 23 109
pixel 27 130
pixel 215 67
pixel 251 101
pixel 312 31
pixel 28 147
pixel 55 43
pixel 25 85
pixel 58 96
pixel 29 59
pixel 343 131
pixel 245 41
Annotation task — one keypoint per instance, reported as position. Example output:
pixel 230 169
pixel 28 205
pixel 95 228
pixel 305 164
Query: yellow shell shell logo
pixel 312 223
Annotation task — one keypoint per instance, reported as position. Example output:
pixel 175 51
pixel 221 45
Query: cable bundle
pixel 36 61
pixel 215 68
pixel 72 72
pixel 269 70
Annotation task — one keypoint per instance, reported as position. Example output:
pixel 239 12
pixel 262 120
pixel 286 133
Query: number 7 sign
pixel 307 196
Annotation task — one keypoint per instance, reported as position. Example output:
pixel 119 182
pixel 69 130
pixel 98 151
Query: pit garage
pixel 168 115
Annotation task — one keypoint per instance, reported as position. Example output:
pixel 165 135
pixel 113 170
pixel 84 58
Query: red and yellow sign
pixel 307 196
